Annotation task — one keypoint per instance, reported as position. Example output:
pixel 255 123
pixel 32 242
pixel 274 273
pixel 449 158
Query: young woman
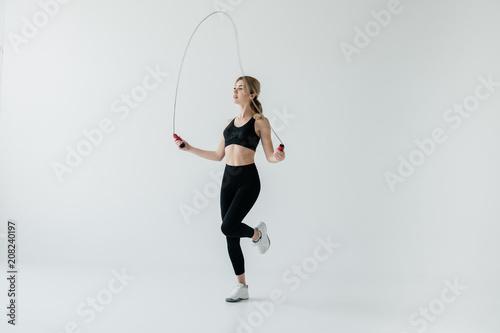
pixel 241 184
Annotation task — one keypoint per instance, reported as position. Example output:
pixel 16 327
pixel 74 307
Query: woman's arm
pixel 216 155
pixel 264 129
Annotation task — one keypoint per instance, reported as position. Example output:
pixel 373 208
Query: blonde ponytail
pixel 258 111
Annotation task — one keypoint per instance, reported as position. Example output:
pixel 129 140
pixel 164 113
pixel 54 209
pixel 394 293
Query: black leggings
pixel 239 191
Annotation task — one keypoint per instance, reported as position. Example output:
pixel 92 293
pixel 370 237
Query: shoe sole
pixel 268 246
pixel 268 240
pixel 232 300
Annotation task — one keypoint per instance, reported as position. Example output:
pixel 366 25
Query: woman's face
pixel 240 95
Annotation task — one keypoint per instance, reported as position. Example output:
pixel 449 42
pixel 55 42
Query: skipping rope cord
pixel 281 146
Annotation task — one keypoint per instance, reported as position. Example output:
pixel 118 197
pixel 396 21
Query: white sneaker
pixel 264 242
pixel 239 293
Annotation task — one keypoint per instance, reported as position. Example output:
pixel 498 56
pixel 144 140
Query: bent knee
pixel 227 229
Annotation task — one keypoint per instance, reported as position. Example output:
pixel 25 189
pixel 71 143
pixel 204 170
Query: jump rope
pixel 176 137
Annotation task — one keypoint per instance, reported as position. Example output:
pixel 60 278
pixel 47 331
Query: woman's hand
pixel 178 142
pixel 279 155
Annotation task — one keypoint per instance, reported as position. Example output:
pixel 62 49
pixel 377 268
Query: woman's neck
pixel 245 112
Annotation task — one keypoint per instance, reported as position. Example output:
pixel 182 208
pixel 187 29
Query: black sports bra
pixel 243 136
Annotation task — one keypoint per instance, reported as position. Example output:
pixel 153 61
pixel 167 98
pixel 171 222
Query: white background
pixel 121 208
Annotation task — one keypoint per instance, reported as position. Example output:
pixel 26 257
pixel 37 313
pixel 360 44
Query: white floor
pixel 329 295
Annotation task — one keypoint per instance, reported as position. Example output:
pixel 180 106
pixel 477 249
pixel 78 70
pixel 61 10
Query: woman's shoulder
pixel 261 121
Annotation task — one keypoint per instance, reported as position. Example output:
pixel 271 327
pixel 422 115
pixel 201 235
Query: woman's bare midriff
pixel 237 155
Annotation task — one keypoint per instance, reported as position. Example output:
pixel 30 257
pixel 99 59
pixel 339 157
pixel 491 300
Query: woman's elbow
pixel 271 159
